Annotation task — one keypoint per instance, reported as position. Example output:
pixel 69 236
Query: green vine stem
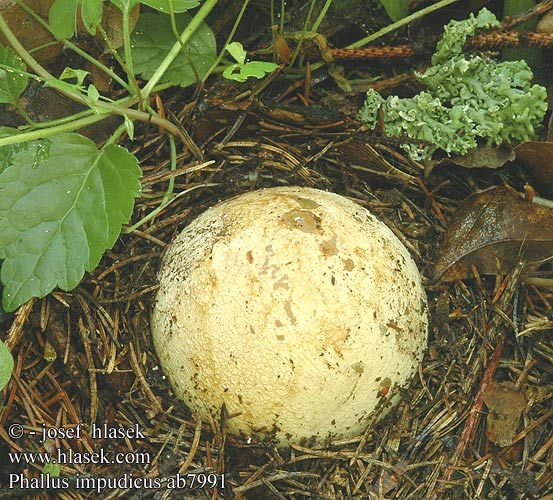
pixel 129 66
pixel 303 33
pixel 322 15
pixel 36 134
pixel 92 60
pixel 400 23
pixel 118 108
pixel 155 211
pixel 190 29
pixel 228 40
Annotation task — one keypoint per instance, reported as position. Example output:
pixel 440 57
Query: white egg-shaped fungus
pixel 295 308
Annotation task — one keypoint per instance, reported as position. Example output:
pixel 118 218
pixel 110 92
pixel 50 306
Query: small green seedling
pixel 242 70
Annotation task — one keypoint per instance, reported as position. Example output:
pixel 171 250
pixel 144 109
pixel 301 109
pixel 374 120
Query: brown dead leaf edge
pixel 492 231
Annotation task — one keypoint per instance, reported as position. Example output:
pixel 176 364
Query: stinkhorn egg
pixel 296 308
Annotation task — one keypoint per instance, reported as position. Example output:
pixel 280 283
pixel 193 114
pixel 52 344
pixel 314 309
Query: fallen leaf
pixel 482 157
pixel 30 33
pixel 280 46
pixel 112 22
pixel 493 230
pixel 538 160
pixel 505 404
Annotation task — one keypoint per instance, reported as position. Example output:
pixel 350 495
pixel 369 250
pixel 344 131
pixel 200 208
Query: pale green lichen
pixel 469 99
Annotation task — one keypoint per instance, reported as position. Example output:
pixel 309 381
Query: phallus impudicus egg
pixel 295 308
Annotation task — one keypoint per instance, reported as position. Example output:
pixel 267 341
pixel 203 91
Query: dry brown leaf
pixel 280 46
pixel 493 230
pixel 538 159
pixel 482 157
pixel 112 22
pixel 505 404
pixel 30 32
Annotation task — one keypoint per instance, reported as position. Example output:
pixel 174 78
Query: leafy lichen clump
pixel 468 98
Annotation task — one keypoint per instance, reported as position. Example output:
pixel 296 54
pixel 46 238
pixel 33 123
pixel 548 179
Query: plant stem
pixel 73 47
pixel 228 40
pixel 34 135
pixel 155 211
pixel 118 108
pixel 22 111
pixel 114 76
pixel 129 66
pixel 183 47
pixel 302 35
pixel 322 15
pixel 193 25
pixel 400 23
pixel 59 121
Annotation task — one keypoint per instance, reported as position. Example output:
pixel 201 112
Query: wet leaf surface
pixel 63 203
pixel 153 39
pixel 492 230
pixel 505 404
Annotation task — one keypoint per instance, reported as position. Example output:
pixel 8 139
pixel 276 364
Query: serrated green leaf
pixel 178 5
pixel 91 13
pixel 396 9
pixel 153 38
pixel 62 204
pixel 12 81
pixel 63 18
pixel 6 365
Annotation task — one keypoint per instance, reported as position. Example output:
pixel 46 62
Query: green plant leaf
pixel 396 9
pixel 153 38
pixel 62 204
pixel 63 18
pixel 91 13
pixel 12 81
pixel 178 5
pixel 255 69
pixel 6 365
pixel 7 152
pixel 79 74
pixel 236 50
pixel 93 94
pixel 129 127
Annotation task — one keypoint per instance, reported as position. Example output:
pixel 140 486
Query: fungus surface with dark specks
pixel 296 308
